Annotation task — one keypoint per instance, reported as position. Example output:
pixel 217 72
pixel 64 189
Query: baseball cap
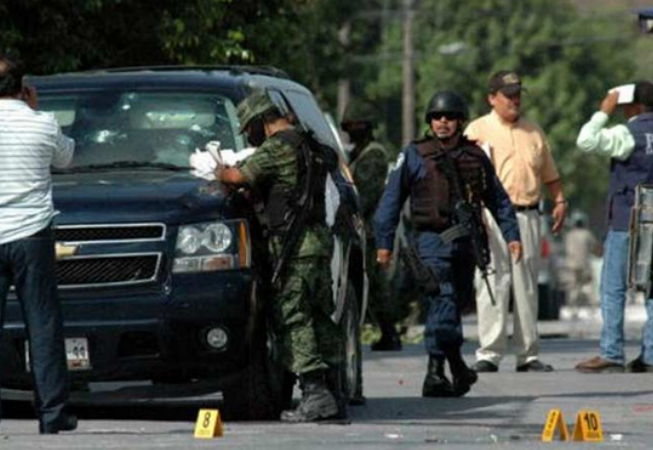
pixel 505 81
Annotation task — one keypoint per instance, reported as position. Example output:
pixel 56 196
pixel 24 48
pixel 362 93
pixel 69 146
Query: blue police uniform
pixel 453 261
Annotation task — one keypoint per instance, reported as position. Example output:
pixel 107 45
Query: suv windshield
pixel 133 128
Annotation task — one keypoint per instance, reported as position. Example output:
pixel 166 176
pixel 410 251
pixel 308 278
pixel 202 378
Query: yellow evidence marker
pixel 555 421
pixel 588 427
pixel 208 424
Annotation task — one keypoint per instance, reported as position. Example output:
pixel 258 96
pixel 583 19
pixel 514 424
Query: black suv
pixel 158 268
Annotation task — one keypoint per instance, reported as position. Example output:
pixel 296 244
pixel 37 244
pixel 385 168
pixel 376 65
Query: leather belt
pixel 522 208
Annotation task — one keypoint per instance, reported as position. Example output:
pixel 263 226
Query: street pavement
pixel 504 410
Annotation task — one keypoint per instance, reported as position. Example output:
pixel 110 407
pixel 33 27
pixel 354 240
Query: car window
pixel 161 127
pixel 305 107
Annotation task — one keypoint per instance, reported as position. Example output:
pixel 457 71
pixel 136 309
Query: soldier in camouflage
pixel 303 301
pixel 369 166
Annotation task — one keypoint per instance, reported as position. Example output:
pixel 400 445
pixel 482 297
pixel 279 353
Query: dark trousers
pixel 454 264
pixel 29 265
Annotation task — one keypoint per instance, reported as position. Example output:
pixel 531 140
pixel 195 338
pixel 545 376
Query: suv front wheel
pixel 263 391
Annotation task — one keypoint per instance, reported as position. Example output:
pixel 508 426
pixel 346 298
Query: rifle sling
pixel 453 233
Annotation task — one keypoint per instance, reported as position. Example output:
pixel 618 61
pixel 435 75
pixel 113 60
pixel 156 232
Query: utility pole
pixel 344 84
pixel 408 74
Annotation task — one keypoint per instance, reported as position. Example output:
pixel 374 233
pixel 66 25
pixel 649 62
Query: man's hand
pixel 514 247
pixel 559 212
pixel 229 175
pixel 609 103
pixel 383 257
pixel 219 171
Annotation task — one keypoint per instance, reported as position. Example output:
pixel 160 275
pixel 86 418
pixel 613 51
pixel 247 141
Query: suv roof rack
pixel 239 69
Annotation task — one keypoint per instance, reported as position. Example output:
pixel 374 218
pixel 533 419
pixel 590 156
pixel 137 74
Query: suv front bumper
pixel 147 335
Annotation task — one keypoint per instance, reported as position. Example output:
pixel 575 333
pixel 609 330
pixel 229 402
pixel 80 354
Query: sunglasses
pixel 449 116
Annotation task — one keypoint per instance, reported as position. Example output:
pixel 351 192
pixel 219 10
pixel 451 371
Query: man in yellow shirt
pixel 522 159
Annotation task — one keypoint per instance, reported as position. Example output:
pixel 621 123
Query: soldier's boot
pixel 335 384
pixel 436 383
pixel 317 402
pixel 463 376
pixel 390 339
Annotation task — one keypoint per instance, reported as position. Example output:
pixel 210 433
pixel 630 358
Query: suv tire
pixel 261 393
pixel 352 375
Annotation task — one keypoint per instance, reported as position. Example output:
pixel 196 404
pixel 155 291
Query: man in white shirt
pixel 31 142
pixel 630 147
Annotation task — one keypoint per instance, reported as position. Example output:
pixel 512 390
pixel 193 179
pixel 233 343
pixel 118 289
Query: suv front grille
pixel 101 262
pixel 107 270
pixel 112 233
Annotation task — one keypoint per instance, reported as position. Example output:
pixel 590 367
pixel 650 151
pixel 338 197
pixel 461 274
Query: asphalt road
pixel 504 410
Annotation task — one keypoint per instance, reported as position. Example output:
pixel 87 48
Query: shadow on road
pixel 163 413
pixel 476 409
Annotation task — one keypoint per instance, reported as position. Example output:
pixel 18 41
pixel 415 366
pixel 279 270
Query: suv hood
pixel 120 196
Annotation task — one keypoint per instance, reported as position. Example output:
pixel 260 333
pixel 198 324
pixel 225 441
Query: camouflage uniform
pixel 369 171
pixel 303 305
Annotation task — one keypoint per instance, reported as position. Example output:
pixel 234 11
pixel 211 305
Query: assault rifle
pixel 311 154
pixel 469 216
pixel 426 278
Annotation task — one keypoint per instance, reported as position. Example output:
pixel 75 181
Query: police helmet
pixel 446 102
pixel 254 106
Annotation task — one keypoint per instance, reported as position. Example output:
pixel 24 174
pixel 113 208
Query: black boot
pixel 390 340
pixel 317 402
pixel 436 383
pixel 335 383
pixel 463 376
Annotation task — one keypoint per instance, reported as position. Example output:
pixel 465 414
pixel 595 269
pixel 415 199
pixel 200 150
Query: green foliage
pixel 567 61
pixel 65 35
pixel 567 64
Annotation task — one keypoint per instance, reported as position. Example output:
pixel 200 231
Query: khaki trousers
pixel 522 276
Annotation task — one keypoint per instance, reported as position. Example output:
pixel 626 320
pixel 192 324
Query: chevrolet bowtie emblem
pixel 65 251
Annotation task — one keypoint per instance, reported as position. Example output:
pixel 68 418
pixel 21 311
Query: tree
pixel 567 65
pixel 65 35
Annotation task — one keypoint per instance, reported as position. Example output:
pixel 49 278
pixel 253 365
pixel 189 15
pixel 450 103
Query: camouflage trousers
pixel 386 305
pixel 308 337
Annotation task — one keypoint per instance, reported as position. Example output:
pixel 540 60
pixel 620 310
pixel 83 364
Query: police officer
pixel 303 301
pixel 442 242
pixel 368 161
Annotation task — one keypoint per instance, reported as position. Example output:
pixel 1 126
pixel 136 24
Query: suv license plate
pixel 76 353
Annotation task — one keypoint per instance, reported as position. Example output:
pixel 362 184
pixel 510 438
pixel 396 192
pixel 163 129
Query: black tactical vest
pixel 431 201
pixel 281 200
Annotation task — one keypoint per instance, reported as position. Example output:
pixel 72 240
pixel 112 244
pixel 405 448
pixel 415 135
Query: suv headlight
pixel 217 237
pixel 209 246
pixel 189 240
pixel 212 237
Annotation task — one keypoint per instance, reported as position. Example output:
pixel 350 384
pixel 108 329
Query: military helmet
pixel 359 111
pixel 446 101
pixel 253 106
